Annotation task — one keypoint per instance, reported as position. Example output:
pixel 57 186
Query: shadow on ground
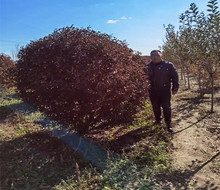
pixel 36 161
pixel 181 179
pixel 187 106
pixel 33 159
pixel 123 139
pixel 4 113
pixel 193 124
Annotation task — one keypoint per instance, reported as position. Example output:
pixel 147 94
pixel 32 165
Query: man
pixel 161 74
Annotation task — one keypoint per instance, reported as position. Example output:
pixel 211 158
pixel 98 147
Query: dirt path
pixel 196 142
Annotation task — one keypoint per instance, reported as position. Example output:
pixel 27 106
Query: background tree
pixel 196 46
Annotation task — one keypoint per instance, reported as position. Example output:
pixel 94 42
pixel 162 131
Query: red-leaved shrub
pixel 7 71
pixel 82 77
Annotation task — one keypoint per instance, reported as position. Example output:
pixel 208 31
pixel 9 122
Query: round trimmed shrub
pixel 82 77
pixel 7 71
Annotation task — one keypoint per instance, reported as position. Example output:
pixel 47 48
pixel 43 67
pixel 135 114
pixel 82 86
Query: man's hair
pixel 158 51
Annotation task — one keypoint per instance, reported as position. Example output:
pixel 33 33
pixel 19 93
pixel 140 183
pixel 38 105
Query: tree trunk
pixel 187 72
pixel 199 81
pixel 181 73
pixel 212 98
pixel 184 77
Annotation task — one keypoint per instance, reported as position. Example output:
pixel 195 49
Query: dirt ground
pixel 196 141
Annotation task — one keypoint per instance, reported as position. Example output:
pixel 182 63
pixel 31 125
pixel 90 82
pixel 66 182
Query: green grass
pixel 140 163
pixel 8 97
pixel 33 159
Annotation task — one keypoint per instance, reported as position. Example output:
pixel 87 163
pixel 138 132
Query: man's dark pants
pixel 161 98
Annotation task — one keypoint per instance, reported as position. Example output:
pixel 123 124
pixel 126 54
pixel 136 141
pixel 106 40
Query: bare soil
pixel 196 141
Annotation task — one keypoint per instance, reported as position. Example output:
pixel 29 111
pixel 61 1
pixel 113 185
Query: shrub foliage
pixel 7 71
pixel 82 76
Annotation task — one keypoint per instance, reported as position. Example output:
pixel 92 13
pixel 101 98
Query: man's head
pixel 156 56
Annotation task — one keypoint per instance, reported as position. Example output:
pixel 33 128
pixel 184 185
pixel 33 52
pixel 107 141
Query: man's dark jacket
pixel 161 75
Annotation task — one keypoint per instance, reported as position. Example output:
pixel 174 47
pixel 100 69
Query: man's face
pixel 156 57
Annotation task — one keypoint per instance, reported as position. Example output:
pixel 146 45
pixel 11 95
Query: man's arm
pixel 175 79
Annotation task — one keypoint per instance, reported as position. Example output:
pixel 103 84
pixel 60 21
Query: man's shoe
pixel 170 128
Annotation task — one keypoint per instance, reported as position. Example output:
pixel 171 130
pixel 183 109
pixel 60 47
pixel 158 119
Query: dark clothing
pixel 161 98
pixel 161 76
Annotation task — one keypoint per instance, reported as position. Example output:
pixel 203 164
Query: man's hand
pixel 174 92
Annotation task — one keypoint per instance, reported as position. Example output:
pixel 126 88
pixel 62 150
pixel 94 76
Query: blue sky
pixel 138 22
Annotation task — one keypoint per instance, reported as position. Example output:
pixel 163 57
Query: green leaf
pixel 211 6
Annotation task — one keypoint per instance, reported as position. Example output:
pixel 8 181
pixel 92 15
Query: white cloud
pixel 112 21
pixel 125 18
pixel 115 21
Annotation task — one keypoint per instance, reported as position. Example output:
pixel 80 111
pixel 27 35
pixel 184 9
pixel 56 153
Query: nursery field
pixel 150 157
